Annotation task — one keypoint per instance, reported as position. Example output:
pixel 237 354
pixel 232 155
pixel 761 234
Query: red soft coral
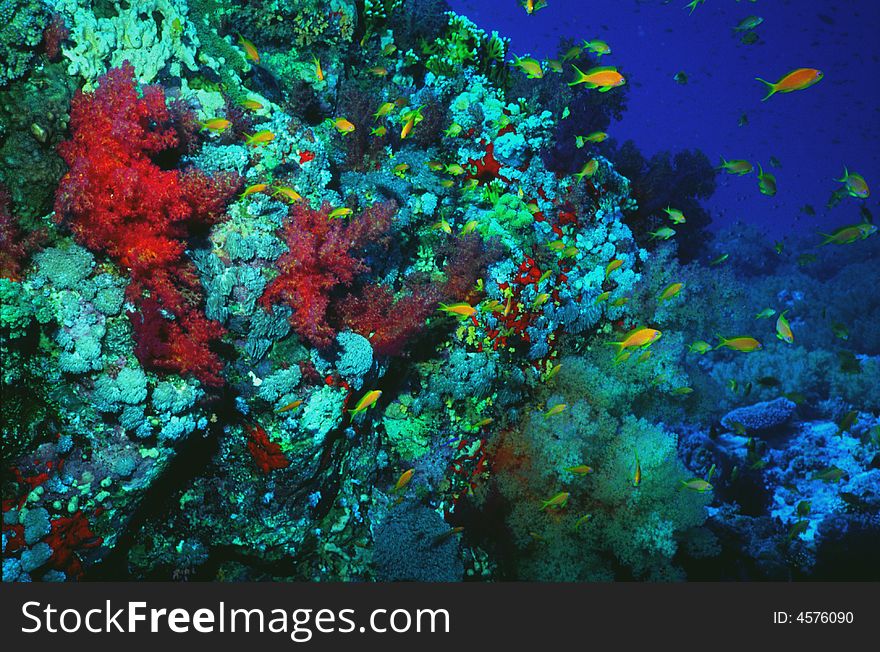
pixel 118 201
pixel 321 258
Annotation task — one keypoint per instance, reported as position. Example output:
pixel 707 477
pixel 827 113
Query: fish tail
pixel 721 342
pixel 828 238
pixel 771 86
pixel 617 345
pixel 580 76
pixel 845 175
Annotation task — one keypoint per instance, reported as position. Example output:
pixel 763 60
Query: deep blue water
pixel 813 133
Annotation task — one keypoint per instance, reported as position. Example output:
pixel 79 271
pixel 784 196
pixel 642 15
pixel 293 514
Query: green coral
pixel 21 30
pixel 463 44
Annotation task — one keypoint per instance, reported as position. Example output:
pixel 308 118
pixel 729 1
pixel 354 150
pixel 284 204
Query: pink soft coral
pixel 321 258
pixel 119 202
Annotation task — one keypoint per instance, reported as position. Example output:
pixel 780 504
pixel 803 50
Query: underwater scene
pixel 440 290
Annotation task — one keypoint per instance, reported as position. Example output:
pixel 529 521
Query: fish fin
pixel 721 342
pixel 828 238
pixel 845 175
pixel 770 86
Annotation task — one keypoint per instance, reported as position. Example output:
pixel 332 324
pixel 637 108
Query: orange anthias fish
pixel 263 137
pixel 849 234
pixel 558 501
pixel 343 125
pixel 559 408
pixel 742 344
pixel 614 264
pixel 783 329
pixel 250 50
pixel 290 406
pixel 250 190
pixel 367 401
pixel 637 476
pixel 217 125
pixel 855 184
pixel 319 72
pixel 603 78
pixel 531 6
pixel 581 469
pixel 404 479
pixel 796 80
pixel 671 291
pixel 288 193
pixel 637 338
pixel 251 105
pixel 459 309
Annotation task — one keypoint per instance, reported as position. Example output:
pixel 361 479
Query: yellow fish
pixel 343 125
pixel 378 71
pixel 250 190
pixel 783 329
pixel 336 213
pixel 531 67
pixel 580 469
pixel 671 291
pixel 610 267
pixel 559 408
pixel 856 185
pixel 637 338
pixel 597 47
pixel 319 72
pixel 582 520
pixel 736 166
pixel 697 484
pixel 379 131
pixel 367 401
pixel 290 406
pixel 217 125
pixel 288 193
pixel 675 215
pixel 404 479
pixel 251 105
pixel 588 170
pixel 558 501
pixel 603 78
pixel 553 371
pixel 796 80
pixel 453 130
pixel 263 137
pixel 637 476
pixel 849 234
pixel 250 51
pixel 531 6
pixel 443 225
pixel 384 110
pixel 459 309
pixel 742 344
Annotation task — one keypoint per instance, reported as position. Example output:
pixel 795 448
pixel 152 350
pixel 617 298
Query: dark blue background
pixel 813 133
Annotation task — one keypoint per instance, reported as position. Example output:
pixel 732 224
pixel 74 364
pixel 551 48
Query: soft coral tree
pixel 118 201
pixel 323 257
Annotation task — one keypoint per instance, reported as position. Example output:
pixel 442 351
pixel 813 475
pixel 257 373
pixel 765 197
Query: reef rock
pixel 763 416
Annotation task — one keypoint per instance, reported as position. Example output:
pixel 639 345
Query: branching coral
pixel 117 201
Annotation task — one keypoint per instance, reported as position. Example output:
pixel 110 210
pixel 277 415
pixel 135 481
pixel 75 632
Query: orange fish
pixel 319 72
pixel 460 309
pixel 603 78
pixel 263 137
pixel 290 406
pixel 796 80
pixel 404 479
pixel 250 190
pixel 218 125
pixel 637 338
pixel 250 50
pixel 288 193
pixel 251 105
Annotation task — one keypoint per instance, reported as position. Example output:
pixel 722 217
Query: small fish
pixel 389 49
pixel 699 485
pixel 444 226
pixel 779 247
pixel 797 80
pixel 603 78
pixel 766 182
pixel 217 125
pixel 847 421
pixel 580 469
pixel 400 170
pixel 596 137
pixel 597 47
pixel 743 120
pixel 255 188
pixel 531 6
pixel 570 252
pixel 554 65
pixel 435 166
pixel 288 193
pixel 783 329
pixel 529 66
pixel 602 297
pixel 809 210
pixel 700 347
pixel 803 508
pixel 645 356
pixel 796 397
pixel 749 23
pixel 617 303
pixel 742 344
pixel 251 105
pixel 640 337
pixel 290 406
pixel 670 291
pixel 469 227
pixel 540 300
pixel 379 131
pixel 831 474
pixel 573 53
pixel 637 476
pixel 383 110
pixel 378 71
pixel 263 137
pixel 855 184
pixel 849 234
pixel 319 72
pixel 453 130
pixel 749 38
pixel 766 313
pixel 664 233
pixel 559 408
pixel 589 169
pixel 693 4
pixel 404 479
pixel 343 125
pixel 553 371
pixel 440 538
pixel 250 51
pixel 840 331
pixel 739 167
pixel 367 400
pixel 462 310
pixel 610 267
pixel 680 77
pixel 719 260
pixel 738 428
pixel 682 391
pixel 798 529
pixel 675 215
pixel 558 501
pixel 340 212
pixel 483 422
pixel 455 170
pixel 582 521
